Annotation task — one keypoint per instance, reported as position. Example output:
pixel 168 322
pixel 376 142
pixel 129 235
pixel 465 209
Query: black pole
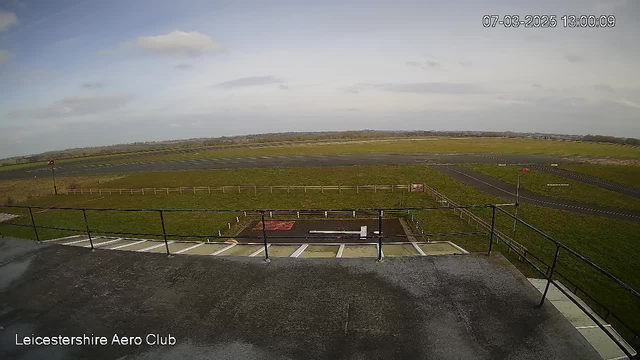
pixel 379 235
pixel 164 232
pixel 264 236
pixel 86 224
pixel 53 175
pixel 493 228
pixel 553 268
pixel 33 224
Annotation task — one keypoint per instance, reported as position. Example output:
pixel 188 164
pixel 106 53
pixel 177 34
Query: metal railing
pixel 379 236
pixel 252 188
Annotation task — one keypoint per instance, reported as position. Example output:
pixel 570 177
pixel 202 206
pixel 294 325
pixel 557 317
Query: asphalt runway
pixel 280 161
pixel 507 191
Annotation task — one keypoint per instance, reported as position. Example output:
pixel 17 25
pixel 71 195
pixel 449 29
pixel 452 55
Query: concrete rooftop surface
pixel 429 307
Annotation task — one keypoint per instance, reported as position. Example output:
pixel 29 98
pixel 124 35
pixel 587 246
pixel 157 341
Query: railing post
pixel 549 278
pixel 493 228
pixel 264 237
pixel 86 224
pixel 33 224
pixel 379 235
pixel 164 232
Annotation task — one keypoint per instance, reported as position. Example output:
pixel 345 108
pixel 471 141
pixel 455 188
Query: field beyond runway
pixel 440 307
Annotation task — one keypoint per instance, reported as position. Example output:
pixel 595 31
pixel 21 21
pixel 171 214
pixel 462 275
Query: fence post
pixel 223 189
pixel 264 236
pixel 86 224
pixel 322 189
pixel 493 228
pixel 549 278
pixel 340 189
pixel 33 224
pixel 209 189
pixel 164 232
pixel 238 188
pixel 271 189
pixel 357 189
pixel 379 235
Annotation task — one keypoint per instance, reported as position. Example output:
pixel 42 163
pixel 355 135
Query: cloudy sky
pixel 82 73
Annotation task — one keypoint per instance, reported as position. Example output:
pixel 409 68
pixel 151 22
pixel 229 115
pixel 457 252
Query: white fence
pixel 252 188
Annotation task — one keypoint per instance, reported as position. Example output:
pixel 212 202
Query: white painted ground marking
pixel 457 247
pixel 189 248
pixel 75 242
pixel 63 238
pixel 299 251
pixel 592 326
pixel 340 250
pixel 104 242
pixel 155 246
pixel 418 249
pixel 257 252
pixel 334 232
pixel 125 245
pixel 223 249
pixel 363 232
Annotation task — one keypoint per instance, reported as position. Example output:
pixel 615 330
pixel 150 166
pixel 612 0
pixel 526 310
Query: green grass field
pixel 421 145
pixel 610 243
pixel 623 174
pixel 536 181
pixel 369 146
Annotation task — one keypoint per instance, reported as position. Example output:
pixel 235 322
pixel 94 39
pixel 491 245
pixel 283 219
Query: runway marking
pixel 125 245
pixel 222 250
pixel 257 252
pixel 154 246
pixel 418 249
pixel 340 251
pixel 104 242
pixel 299 251
pixel 63 238
pixel 75 242
pixel 189 248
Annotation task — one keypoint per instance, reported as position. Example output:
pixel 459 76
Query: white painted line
pixel 189 248
pixel 223 249
pixel 75 242
pixel 104 242
pixel 334 232
pixel 592 326
pixel 299 251
pixel 363 232
pixel 125 245
pixel 418 249
pixel 341 250
pixel 63 238
pixel 457 247
pixel 258 251
pixel 154 246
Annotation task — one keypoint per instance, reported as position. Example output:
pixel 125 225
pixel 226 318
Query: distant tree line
pixel 611 139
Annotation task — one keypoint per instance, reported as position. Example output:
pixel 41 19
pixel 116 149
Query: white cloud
pixel 250 81
pixel 178 43
pixel 628 103
pixel 5 55
pixel 7 20
pixel 72 106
